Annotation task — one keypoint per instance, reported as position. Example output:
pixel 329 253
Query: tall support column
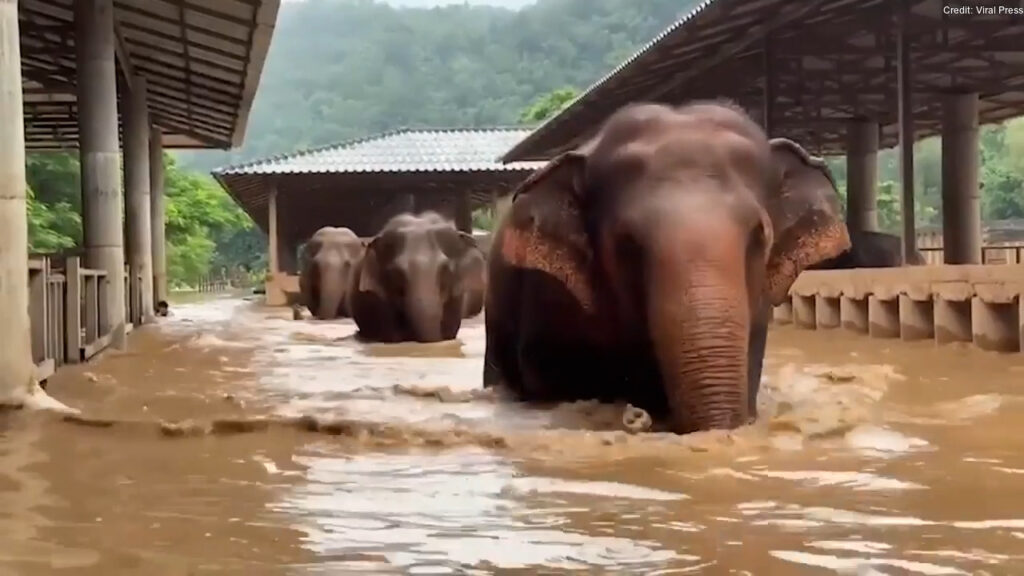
pixel 158 216
pixel 906 119
pixel 272 241
pixel 862 176
pixel 961 202
pixel 464 212
pixel 137 193
pixel 16 369
pixel 98 146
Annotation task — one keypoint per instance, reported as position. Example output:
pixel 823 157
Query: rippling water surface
pixel 231 439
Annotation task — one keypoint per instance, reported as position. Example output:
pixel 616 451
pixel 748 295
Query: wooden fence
pixel 67 309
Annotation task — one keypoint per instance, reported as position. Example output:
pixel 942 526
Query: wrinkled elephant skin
pixel 328 260
pixel 642 266
pixel 417 280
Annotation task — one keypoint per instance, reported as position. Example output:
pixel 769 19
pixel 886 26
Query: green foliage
pixel 1001 174
pixel 340 69
pixel 344 69
pixel 206 230
pixel 548 105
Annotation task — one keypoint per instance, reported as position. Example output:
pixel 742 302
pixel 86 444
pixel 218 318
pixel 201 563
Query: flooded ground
pixel 230 439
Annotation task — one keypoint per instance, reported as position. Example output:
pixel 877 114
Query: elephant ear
pixel 544 228
pixel 807 224
pixel 369 275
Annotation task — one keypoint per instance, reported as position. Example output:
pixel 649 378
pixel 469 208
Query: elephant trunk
pixel 699 322
pixel 424 307
pixel 331 290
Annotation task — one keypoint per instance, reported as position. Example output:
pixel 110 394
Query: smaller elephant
pixel 415 279
pixel 328 259
pixel 871 249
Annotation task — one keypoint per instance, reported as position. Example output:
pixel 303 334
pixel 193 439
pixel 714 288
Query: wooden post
pixel 73 310
pixel 272 245
pixel 37 307
pixel 464 212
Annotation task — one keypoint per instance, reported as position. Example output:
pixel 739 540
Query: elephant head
pixel 416 265
pixel 695 223
pixel 327 262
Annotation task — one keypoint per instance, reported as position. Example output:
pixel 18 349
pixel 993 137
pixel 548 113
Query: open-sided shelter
pixel 839 76
pixel 361 183
pixel 106 77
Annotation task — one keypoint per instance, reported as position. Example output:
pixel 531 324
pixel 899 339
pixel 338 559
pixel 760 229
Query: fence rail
pixel 993 254
pixel 67 309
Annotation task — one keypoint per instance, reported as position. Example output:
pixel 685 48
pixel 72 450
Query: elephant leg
pixel 756 349
pixel 498 371
pixel 451 318
pixel 376 320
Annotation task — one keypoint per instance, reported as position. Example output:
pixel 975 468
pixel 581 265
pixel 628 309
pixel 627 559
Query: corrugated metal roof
pixel 405 150
pixel 202 62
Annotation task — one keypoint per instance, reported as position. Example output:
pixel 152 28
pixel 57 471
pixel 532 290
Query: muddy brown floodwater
pixel 231 439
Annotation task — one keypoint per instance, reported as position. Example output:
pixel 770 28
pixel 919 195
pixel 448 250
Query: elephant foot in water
pixel 636 420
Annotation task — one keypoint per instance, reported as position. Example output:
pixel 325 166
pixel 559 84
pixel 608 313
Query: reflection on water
pixel 233 439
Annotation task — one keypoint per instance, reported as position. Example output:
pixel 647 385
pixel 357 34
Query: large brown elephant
pixel 328 259
pixel 414 280
pixel 643 265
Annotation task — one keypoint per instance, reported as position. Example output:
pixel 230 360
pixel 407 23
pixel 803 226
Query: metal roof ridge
pixel 352 142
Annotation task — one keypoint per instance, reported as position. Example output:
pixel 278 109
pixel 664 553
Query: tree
pixel 548 105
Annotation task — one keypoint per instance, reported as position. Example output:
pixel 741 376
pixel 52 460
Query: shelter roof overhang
pixel 346 184
pixel 202 61
pixel 831 61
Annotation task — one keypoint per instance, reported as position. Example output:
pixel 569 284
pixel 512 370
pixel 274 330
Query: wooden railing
pixel 991 254
pixel 67 309
pixel 213 284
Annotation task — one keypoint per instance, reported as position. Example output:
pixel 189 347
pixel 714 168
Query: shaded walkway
pixel 846 465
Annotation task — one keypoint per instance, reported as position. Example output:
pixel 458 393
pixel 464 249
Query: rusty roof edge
pixel 512 154
pixel 241 167
pixel 262 36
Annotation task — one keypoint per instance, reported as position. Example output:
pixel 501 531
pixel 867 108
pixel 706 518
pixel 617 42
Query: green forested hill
pixel 339 69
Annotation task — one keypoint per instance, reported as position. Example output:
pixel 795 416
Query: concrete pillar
pixel 768 89
pixel 826 312
pixel 804 314
pixel 883 317
pixel 272 241
pixel 463 212
pixel 158 215
pixel 854 314
pixel 961 202
pixel 862 176
pixel 501 207
pixel 16 368
pixel 904 93
pixel 287 254
pixel 137 193
pixel 98 146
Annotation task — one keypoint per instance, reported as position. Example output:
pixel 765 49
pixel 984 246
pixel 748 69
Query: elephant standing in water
pixel 328 259
pixel 417 280
pixel 643 266
pixel 871 249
